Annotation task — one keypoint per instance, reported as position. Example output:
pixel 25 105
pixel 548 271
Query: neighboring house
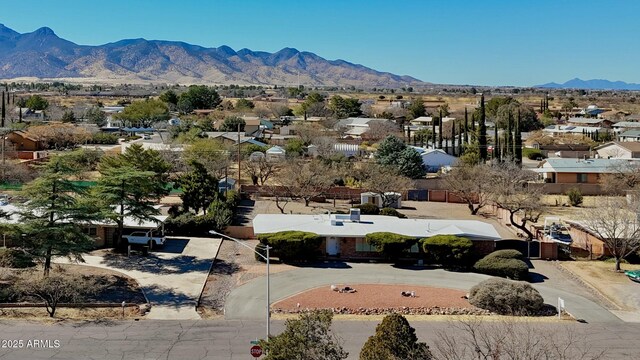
pixel 22 141
pixel 584 241
pixel 104 231
pixel 356 127
pixel 344 235
pixel 580 121
pixel 435 159
pixel 231 138
pixel 554 130
pixel 252 126
pixel 619 150
pixel 577 171
pixel 630 135
pixel 376 199
pixel 591 111
pixel 276 153
pixel 625 125
pixel 424 121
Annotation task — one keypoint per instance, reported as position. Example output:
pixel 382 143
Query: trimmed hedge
pixel 390 244
pixel 506 297
pixel 368 209
pixel 292 245
pixel 450 251
pixel 503 263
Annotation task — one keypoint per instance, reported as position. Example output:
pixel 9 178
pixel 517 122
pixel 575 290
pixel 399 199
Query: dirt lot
pixel 375 296
pixel 616 287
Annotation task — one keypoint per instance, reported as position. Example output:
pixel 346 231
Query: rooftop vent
pixel 354 215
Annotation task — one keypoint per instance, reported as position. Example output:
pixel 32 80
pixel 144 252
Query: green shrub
pixel 506 254
pixel 292 245
pixel 392 212
pixel 390 244
pixel 448 250
pixel 496 265
pixel 15 258
pixel 188 224
pixel 104 139
pixel 506 297
pixel 368 209
pixel 575 197
pixel 533 154
pixel 395 339
pixel 260 249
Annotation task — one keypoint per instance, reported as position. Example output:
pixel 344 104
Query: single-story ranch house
pixel 344 235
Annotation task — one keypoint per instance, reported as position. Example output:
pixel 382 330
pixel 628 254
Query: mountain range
pixel 594 84
pixel 42 54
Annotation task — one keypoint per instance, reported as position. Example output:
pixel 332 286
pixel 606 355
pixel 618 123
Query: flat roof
pixel 419 228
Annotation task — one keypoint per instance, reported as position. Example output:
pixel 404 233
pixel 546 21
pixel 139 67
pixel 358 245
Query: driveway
pixel 247 302
pixel 172 277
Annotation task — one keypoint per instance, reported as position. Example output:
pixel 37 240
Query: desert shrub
pixel 575 197
pixel 390 244
pixel 496 265
pixel 15 258
pixel 448 250
pixel 395 338
pixel 533 154
pixel 368 209
pixel 392 212
pixel 292 245
pixel 506 297
pixel 103 139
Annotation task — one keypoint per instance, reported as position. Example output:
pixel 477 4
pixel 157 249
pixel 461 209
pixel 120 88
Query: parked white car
pixel 150 238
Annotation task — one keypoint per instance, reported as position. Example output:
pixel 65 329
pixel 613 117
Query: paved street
pixel 218 339
pixel 172 277
pixel 247 302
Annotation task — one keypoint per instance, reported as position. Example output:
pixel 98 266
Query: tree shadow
pixel 221 267
pixel 173 246
pixel 165 296
pixel 156 265
pixel 243 212
pixel 535 277
pixel 323 265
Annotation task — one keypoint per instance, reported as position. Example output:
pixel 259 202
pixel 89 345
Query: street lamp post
pixel 266 258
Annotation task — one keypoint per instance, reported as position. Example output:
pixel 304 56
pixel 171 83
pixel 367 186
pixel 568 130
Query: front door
pixel 333 246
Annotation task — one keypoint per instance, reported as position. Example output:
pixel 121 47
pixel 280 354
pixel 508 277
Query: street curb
pixel 197 303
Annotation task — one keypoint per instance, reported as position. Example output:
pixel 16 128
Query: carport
pixel 530 249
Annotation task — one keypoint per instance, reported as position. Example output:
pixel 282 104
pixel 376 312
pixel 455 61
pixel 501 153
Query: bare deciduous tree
pixel 471 183
pixel 623 177
pixel 615 221
pixel 308 179
pixel 260 170
pixel 384 181
pixel 512 193
pixel 55 288
pixel 474 339
pixel 380 129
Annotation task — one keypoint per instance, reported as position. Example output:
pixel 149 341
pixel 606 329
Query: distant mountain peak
pixel 593 84
pixel 42 54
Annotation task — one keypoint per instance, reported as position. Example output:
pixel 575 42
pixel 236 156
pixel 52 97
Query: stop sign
pixel 256 351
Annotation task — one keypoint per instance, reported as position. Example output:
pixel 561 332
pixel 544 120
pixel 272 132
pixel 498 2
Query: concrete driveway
pixel 247 302
pixel 172 277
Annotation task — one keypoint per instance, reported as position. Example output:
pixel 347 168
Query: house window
pixel 414 249
pixel 91 231
pixel 582 178
pixel 362 245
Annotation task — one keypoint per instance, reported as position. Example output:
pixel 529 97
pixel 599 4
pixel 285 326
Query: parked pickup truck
pixel 150 238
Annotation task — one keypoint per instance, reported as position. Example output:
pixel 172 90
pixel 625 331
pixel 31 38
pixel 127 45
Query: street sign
pixel 254 342
pixel 256 351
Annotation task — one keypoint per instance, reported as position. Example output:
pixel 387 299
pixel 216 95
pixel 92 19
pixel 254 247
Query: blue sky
pixel 489 42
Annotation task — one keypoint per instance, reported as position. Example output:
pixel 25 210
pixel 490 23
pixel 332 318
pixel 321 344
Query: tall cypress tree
pixel 517 143
pixel 440 131
pixel 496 143
pixel 460 142
pixel 3 109
pixel 466 127
pixel 482 132
pixel 453 138
pixel 508 137
pixel 433 133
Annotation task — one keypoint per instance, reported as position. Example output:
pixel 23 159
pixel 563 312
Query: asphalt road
pixel 220 339
pixel 247 302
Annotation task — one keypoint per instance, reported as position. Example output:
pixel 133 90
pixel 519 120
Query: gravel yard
pixel 376 296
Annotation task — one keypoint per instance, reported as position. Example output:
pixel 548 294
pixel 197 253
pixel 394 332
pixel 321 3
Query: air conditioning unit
pixel 354 215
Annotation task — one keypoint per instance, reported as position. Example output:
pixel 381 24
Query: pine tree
pixel 440 131
pixel 482 132
pixel 466 127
